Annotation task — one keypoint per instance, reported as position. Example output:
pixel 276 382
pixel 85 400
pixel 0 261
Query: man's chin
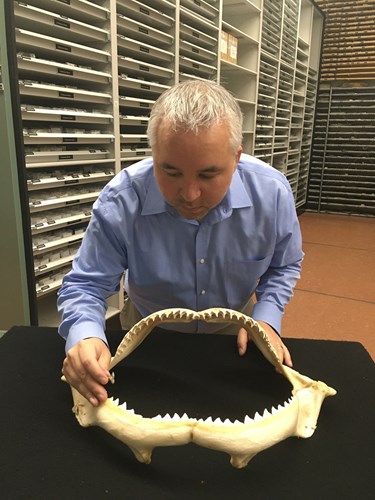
pixel 194 213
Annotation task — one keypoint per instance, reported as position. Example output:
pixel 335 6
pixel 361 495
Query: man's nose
pixel 190 191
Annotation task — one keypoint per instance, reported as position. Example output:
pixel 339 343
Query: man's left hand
pixel 274 338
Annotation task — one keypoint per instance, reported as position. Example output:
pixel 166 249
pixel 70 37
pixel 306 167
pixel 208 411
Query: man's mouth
pixel 191 211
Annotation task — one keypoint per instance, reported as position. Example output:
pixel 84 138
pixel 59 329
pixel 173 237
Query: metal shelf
pixel 341 175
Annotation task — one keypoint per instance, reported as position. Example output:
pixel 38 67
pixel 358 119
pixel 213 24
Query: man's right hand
pixel 86 368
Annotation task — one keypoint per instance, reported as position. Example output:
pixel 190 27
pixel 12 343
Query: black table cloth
pixel 45 454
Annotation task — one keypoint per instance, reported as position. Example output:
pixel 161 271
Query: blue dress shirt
pixel 250 242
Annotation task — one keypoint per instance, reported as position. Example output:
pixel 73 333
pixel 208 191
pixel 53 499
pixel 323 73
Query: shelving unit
pixel 146 67
pixel 66 98
pixel 349 41
pixel 289 64
pixel 341 174
pixel 242 20
pixel 198 40
pixel 341 178
pixel 90 71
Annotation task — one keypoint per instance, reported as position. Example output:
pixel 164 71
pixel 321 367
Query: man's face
pixel 194 171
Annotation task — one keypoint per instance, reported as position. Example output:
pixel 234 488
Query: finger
pixel 85 384
pixel 104 361
pixel 283 355
pixel 242 340
pixel 287 357
pixel 94 357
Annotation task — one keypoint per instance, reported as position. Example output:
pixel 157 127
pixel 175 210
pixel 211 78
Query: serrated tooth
pixel 167 417
pixel 176 418
pixel 116 401
pixel 218 421
pixel 131 411
pixel 208 420
pixel 266 413
pixel 273 410
pixel 257 417
pixel 185 417
pixel 157 418
pixel 237 422
pixel 123 406
pixel 248 420
pixel 228 422
pixel 280 407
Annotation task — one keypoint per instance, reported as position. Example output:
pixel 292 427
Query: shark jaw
pixel 240 440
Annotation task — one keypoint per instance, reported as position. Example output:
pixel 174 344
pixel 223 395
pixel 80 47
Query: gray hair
pixel 195 104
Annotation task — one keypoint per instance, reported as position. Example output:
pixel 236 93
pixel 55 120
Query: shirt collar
pixel 236 197
pixel 154 201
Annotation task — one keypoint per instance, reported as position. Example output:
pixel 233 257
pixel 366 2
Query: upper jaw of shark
pixel 240 440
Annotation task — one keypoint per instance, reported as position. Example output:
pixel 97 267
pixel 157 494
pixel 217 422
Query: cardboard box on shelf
pixel 224 45
pixel 232 49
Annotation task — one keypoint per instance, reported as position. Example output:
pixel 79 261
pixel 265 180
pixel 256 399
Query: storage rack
pixel 289 98
pixel 349 40
pixel 65 86
pixel 289 63
pixel 342 168
pixel 341 179
pixel 268 80
pixel 242 20
pixel 146 67
pixel 90 71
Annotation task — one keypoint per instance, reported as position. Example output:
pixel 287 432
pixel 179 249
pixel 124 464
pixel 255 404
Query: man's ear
pixel 238 156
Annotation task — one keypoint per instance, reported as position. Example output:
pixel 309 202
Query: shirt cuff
pixel 269 313
pixel 84 330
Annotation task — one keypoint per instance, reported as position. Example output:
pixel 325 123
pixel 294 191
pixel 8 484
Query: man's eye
pixel 207 176
pixel 173 174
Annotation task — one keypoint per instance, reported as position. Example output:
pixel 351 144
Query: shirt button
pixel 203 292
pixel 202 261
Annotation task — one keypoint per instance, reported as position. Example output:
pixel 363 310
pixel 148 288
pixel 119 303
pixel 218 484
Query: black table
pixel 45 454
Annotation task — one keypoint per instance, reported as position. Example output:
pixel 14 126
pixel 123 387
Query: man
pixel 199 225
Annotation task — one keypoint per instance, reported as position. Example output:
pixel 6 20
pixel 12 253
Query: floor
pixel 335 297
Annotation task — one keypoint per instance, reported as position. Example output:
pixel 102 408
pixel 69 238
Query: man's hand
pixel 274 338
pixel 86 368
